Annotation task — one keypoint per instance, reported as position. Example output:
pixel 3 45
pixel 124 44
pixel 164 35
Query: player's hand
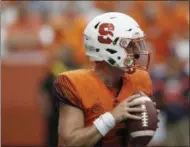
pixel 123 110
pixel 142 93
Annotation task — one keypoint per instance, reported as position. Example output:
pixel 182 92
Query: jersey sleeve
pixel 65 93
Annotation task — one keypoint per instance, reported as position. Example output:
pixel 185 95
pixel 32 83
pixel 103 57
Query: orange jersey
pixel 84 89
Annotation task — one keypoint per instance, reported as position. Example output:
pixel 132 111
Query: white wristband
pixel 104 123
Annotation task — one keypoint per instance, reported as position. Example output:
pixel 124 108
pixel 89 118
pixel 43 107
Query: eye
pixel 136 56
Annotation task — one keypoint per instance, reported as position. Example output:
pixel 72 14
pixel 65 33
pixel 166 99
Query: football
pixel 142 131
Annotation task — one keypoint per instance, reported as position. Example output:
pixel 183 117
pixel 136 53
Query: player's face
pixel 137 55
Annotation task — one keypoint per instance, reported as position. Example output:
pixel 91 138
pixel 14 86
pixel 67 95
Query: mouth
pixel 131 66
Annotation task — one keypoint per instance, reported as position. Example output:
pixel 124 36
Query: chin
pixel 120 72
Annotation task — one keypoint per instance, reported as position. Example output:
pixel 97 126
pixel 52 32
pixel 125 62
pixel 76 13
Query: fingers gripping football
pixel 125 109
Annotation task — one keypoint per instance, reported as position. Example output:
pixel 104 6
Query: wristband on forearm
pixel 105 123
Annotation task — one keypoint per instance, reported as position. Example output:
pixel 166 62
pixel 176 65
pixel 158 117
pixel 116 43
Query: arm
pixel 72 130
pixel 71 118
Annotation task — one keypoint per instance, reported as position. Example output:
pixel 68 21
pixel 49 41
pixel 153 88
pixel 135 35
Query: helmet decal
pixel 111 51
pixel 115 40
pixel 105 29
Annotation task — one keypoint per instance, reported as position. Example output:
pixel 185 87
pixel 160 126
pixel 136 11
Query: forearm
pixel 88 137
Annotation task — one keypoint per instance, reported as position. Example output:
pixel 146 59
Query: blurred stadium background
pixel 43 38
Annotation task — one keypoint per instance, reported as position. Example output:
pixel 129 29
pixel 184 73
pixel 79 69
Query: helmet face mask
pixel 137 54
pixel 119 41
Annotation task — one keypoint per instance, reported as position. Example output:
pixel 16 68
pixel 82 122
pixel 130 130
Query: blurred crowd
pixel 56 30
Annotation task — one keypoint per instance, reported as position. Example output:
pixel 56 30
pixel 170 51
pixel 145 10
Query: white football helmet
pixel 117 39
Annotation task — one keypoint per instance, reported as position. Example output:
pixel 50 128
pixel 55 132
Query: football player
pixel 95 102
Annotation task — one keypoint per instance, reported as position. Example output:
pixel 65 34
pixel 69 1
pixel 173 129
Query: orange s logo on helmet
pixel 104 30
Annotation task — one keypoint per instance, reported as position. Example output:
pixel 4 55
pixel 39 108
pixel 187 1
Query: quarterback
pixel 95 102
